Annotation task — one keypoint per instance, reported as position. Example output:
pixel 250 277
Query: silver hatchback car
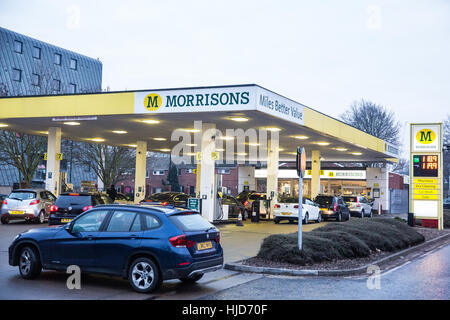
pixel 359 206
pixel 27 204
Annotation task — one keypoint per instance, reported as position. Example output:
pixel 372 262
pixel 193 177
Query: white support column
pixel 141 168
pixel 207 171
pixel 52 169
pixel 272 169
pixel 197 179
pixel 315 173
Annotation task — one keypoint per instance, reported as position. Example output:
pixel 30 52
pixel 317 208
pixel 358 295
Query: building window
pixel 36 52
pixel 73 64
pixel 57 59
pixel 17 74
pixel 35 79
pixel 56 85
pixel 158 172
pixel 189 170
pixel 223 171
pixel 18 46
pixel 72 88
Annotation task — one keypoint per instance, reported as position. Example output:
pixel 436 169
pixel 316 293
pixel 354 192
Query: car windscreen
pixel 160 197
pixel 257 196
pixel 22 195
pixel 324 201
pixel 288 200
pixel 242 196
pixel 350 199
pixel 65 201
pixel 190 222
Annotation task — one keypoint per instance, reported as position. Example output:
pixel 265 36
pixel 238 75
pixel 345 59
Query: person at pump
pixel 112 193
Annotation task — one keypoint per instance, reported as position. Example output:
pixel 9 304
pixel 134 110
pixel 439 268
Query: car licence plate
pixel 16 212
pixel 204 245
pixel 286 213
pixel 66 220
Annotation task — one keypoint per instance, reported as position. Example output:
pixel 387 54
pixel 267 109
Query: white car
pixel 287 209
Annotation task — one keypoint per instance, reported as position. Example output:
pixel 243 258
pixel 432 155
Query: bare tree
pixel 22 151
pixel 110 163
pixel 446 159
pixel 374 119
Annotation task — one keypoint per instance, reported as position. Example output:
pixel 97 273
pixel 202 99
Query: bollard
pixel 239 220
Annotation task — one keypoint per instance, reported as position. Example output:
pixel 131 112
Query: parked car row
pixel 324 207
pixel 39 205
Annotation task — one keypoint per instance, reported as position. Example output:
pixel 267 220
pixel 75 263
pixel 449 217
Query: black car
pixel 234 207
pixel 333 207
pixel 144 244
pixel 178 199
pixel 248 197
pixel 69 205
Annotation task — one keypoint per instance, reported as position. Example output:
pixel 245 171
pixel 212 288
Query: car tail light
pixel 217 239
pixel 5 202
pixel 245 203
pixel 358 205
pixel 87 208
pixel 276 206
pixel 164 203
pixel 335 206
pixel 296 206
pixel 181 242
pixel 74 194
pixel 53 208
pixel 36 201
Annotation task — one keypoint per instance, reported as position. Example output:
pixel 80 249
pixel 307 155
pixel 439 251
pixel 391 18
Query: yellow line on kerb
pixel 67 105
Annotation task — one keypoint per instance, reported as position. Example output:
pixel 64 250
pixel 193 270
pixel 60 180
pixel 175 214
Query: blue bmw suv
pixel 144 244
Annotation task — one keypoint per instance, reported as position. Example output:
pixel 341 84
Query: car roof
pixel 28 190
pixel 167 210
pixel 77 193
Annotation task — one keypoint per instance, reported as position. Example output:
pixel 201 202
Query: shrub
pixel 353 239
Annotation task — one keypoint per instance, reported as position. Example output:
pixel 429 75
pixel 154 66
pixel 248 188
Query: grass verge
pixel 356 238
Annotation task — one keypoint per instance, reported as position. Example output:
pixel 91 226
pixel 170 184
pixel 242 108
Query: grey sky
pixel 324 54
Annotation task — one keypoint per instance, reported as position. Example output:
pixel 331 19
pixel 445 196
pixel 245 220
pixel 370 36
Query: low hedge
pixel 446 218
pixel 352 239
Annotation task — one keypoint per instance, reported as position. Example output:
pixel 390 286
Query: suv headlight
pixel 16 237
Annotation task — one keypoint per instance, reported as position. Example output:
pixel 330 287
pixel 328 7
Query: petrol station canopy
pixel 122 118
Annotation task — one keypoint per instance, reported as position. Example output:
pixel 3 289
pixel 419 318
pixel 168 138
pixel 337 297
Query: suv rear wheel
pixel 143 275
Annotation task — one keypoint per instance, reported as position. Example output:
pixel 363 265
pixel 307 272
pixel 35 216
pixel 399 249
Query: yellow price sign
pixel 426 181
pixel 424 191
pixel 59 156
pixel 215 155
pixel 425 186
pixel 425 197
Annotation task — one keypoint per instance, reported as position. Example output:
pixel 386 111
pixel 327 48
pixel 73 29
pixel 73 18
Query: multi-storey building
pixel 33 67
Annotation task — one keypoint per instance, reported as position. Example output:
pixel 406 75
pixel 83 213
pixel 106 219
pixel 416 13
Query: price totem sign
pixel 426 179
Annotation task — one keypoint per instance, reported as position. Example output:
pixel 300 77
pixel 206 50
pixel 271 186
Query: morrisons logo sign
pixel 425 136
pixel 154 101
